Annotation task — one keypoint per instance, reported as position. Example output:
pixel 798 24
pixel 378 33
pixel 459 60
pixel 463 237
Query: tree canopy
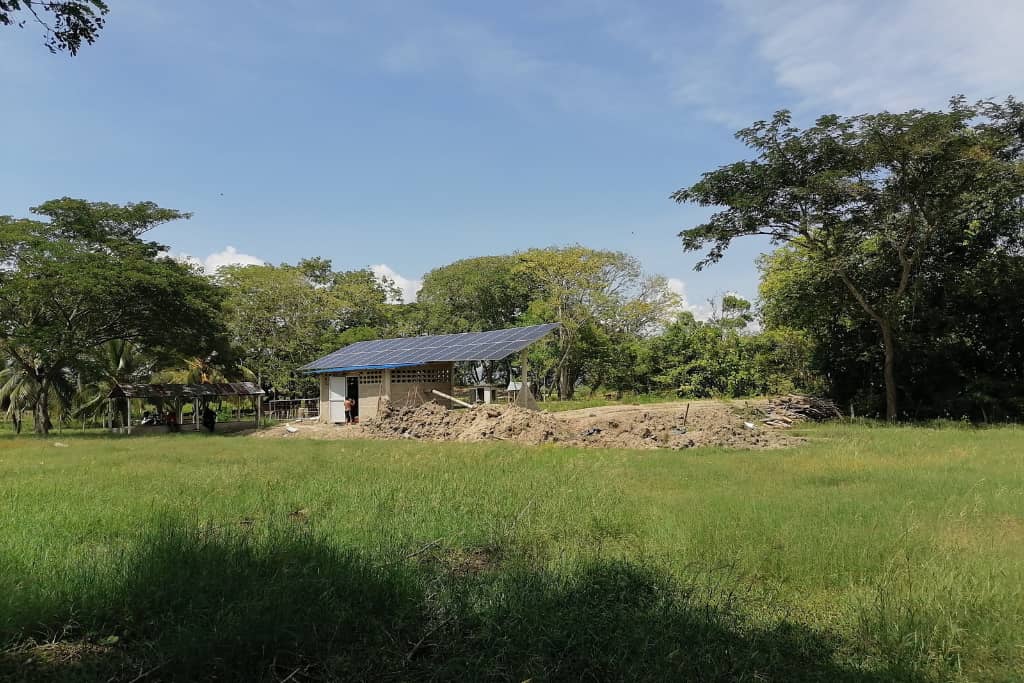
pixel 66 24
pixel 474 295
pixel 878 203
pixel 84 278
pixel 282 317
pixel 599 297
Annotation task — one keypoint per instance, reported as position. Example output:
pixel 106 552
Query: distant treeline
pixel 895 288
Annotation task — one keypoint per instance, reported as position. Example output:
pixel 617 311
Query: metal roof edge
pixel 352 368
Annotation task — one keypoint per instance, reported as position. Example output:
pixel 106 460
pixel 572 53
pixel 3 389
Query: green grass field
pixel 871 554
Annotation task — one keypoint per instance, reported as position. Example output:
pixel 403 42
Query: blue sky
pixel 405 135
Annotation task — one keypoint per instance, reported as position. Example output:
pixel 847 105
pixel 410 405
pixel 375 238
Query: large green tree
pixel 599 297
pixel 722 356
pixel 85 277
pixel 66 24
pixel 281 317
pixel 474 295
pixel 962 338
pixel 875 201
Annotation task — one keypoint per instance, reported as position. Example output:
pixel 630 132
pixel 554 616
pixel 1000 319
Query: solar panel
pixel 443 348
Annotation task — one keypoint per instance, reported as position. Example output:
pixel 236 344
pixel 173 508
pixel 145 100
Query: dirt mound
pixel 675 425
pixel 480 423
pixel 663 426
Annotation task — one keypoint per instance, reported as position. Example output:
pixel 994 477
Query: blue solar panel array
pixel 444 348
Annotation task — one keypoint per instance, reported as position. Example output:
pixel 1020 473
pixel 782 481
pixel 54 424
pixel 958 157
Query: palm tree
pixel 19 392
pixel 115 363
pixel 206 370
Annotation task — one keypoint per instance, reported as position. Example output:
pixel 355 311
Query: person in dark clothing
pixel 209 418
pixel 171 420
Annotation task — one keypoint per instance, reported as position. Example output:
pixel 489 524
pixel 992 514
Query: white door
pixel 336 391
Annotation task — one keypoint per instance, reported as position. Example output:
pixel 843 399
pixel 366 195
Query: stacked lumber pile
pixel 786 411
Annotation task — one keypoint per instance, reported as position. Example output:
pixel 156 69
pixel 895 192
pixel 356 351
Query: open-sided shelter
pixel 176 396
pixel 408 370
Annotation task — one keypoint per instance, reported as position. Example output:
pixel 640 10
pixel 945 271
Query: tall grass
pixel 870 554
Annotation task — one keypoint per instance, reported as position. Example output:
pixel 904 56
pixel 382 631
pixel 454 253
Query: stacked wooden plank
pixel 785 411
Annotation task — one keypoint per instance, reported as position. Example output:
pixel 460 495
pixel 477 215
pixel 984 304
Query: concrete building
pixel 410 370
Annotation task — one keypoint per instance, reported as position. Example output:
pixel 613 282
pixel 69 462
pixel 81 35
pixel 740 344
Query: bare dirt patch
pixel 462 562
pixel 73 659
pixel 673 425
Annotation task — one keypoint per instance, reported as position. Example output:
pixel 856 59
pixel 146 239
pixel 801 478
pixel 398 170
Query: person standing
pixel 209 418
pixel 171 419
pixel 349 407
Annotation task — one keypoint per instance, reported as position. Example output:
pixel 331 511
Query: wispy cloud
pixel 408 286
pixel 862 55
pixel 505 65
pixel 733 61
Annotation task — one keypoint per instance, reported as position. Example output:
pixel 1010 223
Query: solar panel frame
pixel 445 348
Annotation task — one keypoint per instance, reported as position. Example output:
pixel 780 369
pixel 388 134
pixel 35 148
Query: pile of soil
pixel 674 425
pixel 481 423
pixel 671 425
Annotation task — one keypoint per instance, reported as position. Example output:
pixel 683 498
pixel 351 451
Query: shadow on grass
pixel 195 603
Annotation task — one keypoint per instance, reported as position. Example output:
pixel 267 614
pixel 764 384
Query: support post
pixel 525 398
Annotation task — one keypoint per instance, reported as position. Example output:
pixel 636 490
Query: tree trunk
pixel 565 384
pixel 888 341
pixel 889 344
pixel 42 412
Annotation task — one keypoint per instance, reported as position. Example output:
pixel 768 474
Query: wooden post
pixel 450 398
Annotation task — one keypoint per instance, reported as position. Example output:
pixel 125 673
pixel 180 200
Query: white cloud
pixel 700 311
pixel 408 286
pixel 677 286
pixel 229 256
pixel 863 55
